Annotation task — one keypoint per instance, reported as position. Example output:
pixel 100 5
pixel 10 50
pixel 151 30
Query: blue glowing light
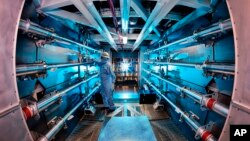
pixel 124 66
pixel 125 95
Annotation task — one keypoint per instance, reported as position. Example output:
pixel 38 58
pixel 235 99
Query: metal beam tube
pixel 210 103
pixel 61 123
pixel 33 109
pixel 43 104
pixel 193 124
pixel 215 28
pixel 35 68
pixel 26 26
pixel 161 9
pixel 228 69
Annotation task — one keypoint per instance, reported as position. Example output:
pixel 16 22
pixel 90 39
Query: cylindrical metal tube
pixel 204 134
pixel 41 105
pixel 194 95
pixel 225 69
pixel 35 68
pixel 28 68
pixel 219 108
pixel 28 26
pixel 32 110
pixel 61 123
pixel 215 28
pixel 212 104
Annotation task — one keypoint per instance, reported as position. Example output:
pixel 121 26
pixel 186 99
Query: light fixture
pixel 125 40
pixel 124 66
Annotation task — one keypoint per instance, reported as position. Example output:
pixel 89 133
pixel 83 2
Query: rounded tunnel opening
pixel 180 69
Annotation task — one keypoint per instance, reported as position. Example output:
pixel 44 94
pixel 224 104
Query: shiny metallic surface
pixel 161 9
pixel 61 123
pixel 239 108
pixel 136 5
pixel 38 30
pixel 41 105
pixel 87 8
pixel 10 111
pixel 125 10
pixel 224 68
pixel 194 125
pixel 24 69
pixel 216 28
pixel 219 108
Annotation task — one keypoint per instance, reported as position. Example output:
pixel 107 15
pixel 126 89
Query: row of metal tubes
pixel 34 68
pixel 29 26
pixel 217 107
pixel 216 28
pixel 43 104
pixel 61 123
pixel 194 125
pixel 227 69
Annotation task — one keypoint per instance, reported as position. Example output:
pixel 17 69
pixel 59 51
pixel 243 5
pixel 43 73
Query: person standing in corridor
pixel 107 81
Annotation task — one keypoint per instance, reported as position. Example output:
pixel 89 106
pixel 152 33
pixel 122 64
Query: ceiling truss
pixel 88 15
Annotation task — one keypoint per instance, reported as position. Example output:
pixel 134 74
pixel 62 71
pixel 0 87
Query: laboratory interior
pixel 174 70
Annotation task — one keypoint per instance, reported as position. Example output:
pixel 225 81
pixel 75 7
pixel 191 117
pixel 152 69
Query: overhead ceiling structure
pixel 141 22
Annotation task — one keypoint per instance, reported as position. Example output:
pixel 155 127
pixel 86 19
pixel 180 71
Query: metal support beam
pixel 97 37
pixel 213 29
pixel 70 16
pixel 161 9
pixel 136 5
pixel 199 130
pixel 188 3
pixel 210 103
pixel 195 3
pixel 125 10
pixel 89 11
pixel 54 4
pixel 47 5
pixel 52 132
pixel 106 13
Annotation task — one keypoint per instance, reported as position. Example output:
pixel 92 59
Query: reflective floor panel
pixel 127 129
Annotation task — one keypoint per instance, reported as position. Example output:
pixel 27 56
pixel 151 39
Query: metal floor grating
pixel 85 131
pixel 148 110
pixel 166 130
